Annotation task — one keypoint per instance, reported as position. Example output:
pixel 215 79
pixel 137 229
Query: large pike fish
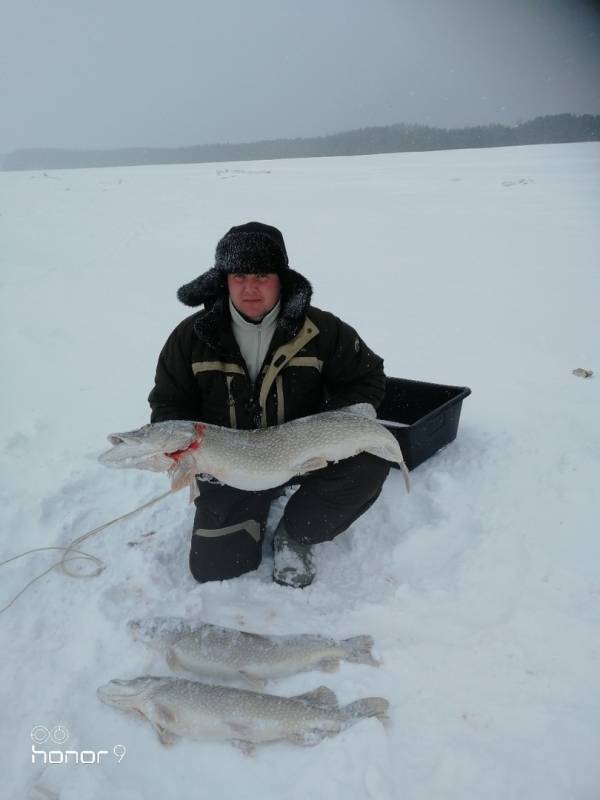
pixel 227 653
pixel 178 707
pixel 253 460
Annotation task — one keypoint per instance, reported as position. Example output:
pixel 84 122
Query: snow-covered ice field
pixel 476 268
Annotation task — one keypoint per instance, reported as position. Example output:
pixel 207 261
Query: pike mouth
pixel 115 440
pixel 129 437
pixel 121 691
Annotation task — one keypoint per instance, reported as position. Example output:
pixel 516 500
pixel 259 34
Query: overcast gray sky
pixel 114 73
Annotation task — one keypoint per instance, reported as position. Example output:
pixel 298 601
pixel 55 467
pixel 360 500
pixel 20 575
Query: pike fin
pixel 358 650
pixel 167 739
pixel 194 490
pixel 309 738
pixel 389 455
pixel 321 696
pixel 368 707
pixel 163 714
pixel 318 462
pixel 247 748
pixel 405 475
pixel 181 473
pixel 362 409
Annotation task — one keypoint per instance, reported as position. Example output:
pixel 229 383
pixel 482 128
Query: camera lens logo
pixel 39 734
pixel 59 734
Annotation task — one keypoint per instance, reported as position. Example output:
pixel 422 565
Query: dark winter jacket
pixel 315 362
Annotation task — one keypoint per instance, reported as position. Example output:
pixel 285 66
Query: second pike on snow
pixel 229 654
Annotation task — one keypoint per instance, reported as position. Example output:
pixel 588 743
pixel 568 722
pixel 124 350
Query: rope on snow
pixel 81 556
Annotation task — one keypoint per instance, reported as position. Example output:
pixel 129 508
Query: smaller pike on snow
pixel 229 654
pixel 254 460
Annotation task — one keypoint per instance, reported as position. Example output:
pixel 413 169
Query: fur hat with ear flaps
pixel 252 248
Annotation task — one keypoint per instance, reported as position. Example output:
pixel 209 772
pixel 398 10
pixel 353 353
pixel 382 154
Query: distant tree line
pixel 554 129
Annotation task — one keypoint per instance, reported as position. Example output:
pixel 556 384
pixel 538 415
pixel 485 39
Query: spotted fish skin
pixel 178 707
pixel 254 460
pixel 229 654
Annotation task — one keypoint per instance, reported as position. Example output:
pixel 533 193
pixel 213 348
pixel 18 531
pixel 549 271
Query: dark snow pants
pixel 229 525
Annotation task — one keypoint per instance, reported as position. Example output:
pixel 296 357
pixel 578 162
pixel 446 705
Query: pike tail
pixel 391 452
pixel 358 650
pixel 405 475
pixel 368 707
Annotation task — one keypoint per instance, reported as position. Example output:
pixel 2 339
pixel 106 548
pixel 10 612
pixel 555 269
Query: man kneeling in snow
pixel 259 354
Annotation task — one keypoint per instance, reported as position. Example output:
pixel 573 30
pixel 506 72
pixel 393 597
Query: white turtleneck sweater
pixel 253 338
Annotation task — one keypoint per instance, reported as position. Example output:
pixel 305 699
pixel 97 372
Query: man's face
pixel 254 295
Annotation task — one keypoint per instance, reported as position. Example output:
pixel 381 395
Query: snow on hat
pixel 250 249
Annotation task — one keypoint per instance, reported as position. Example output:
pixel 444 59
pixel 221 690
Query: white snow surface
pixel 481 588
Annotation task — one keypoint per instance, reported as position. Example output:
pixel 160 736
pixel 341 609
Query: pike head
pixel 159 447
pixel 127 694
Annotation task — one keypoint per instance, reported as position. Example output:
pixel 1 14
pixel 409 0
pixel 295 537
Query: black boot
pixel 293 561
